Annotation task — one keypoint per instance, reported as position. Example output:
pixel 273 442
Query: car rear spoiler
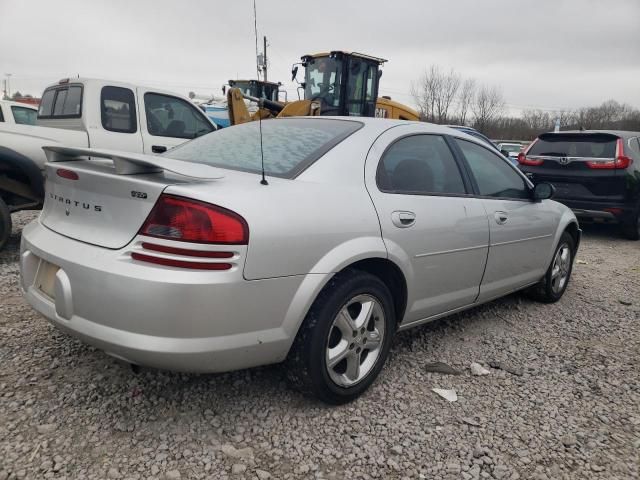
pixel 126 163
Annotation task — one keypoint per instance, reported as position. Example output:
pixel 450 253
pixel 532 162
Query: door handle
pixel 158 148
pixel 501 217
pixel 403 219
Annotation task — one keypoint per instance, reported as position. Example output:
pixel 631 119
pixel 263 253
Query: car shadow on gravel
pixel 603 231
pixel 157 393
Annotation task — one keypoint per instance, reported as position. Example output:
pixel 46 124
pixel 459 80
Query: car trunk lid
pixel 103 197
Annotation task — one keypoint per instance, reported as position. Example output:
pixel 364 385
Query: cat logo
pixel 381 113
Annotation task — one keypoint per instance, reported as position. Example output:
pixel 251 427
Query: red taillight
pixel 186 220
pixel 620 162
pixel 68 174
pixel 523 160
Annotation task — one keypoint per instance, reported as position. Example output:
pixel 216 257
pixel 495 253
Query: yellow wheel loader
pixel 336 83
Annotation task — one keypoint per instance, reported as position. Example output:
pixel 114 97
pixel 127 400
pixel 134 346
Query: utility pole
pixel 4 90
pixel 264 68
pixel 8 86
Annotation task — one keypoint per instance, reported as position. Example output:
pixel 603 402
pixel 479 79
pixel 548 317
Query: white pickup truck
pixel 83 112
pixel 17 113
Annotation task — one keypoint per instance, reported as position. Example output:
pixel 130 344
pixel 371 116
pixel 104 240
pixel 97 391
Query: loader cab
pixel 257 88
pixel 345 84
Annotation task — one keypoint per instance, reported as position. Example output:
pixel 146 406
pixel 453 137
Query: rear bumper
pixel 599 211
pixel 161 317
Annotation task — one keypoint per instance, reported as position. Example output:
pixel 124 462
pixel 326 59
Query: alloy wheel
pixel 355 340
pixel 561 268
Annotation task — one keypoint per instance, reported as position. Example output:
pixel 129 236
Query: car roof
pixel 618 133
pixel 100 82
pixel 384 124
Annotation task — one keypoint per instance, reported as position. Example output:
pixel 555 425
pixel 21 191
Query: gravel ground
pixel 565 402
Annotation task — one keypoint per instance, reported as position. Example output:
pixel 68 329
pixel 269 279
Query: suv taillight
pixel 523 160
pixel 620 162
pixel 187 220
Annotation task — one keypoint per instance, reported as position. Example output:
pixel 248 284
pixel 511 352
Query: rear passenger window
pixel 173 117
pixel 118 110
pixel 493 174
pixel 420 164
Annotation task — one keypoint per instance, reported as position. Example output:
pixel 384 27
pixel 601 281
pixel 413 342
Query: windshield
pixel 576 145
pixel 322 80
pixel 289 145
pixel 258 89
pixel 511 147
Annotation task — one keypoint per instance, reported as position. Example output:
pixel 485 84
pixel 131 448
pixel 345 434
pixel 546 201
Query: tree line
pixel 445 97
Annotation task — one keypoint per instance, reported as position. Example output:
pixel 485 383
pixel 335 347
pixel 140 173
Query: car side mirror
pixel 505 153
pixel 543 191
pixel 294 73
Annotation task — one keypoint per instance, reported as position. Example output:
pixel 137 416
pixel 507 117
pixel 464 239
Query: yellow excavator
pixel 335 83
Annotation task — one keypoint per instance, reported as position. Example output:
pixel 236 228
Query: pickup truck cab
pixel 17 113
pixel 82 112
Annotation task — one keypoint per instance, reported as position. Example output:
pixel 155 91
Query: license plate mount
pixel 45 278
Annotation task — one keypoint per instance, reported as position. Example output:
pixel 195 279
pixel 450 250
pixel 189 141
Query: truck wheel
pixel 5 224
pixel 344 340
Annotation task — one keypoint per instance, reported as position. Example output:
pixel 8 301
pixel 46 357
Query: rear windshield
pixel 579 145
pixel 61 102
pixel 289 145
pixel 510 147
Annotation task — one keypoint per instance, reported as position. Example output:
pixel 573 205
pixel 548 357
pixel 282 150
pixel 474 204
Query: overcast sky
pixel 544 54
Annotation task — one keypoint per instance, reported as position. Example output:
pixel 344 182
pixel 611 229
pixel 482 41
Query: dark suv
pixel 596 173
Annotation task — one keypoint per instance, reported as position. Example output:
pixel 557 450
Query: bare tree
pixel 435 92
pixel 448 87
pixel 488 104
pixel 466 98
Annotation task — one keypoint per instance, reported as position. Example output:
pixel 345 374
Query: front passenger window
pixel 494 176
pixel 169 116
pixel 420 164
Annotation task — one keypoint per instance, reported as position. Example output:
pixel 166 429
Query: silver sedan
pixel 305 240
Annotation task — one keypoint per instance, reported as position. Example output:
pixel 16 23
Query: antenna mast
pixel 263 181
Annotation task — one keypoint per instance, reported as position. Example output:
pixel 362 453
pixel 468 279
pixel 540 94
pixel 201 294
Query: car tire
pixel 353 313
pixel 5 223
pixel 631 230
pixel 554 283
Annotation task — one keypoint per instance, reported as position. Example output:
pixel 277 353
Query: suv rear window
pixel 289 145
pixel 61 102
pixel 588 145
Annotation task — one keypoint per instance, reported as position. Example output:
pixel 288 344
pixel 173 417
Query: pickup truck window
pixel 46 104
pixel 118 110
pixel 173 117
pixel 65 102
pixel 24 116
